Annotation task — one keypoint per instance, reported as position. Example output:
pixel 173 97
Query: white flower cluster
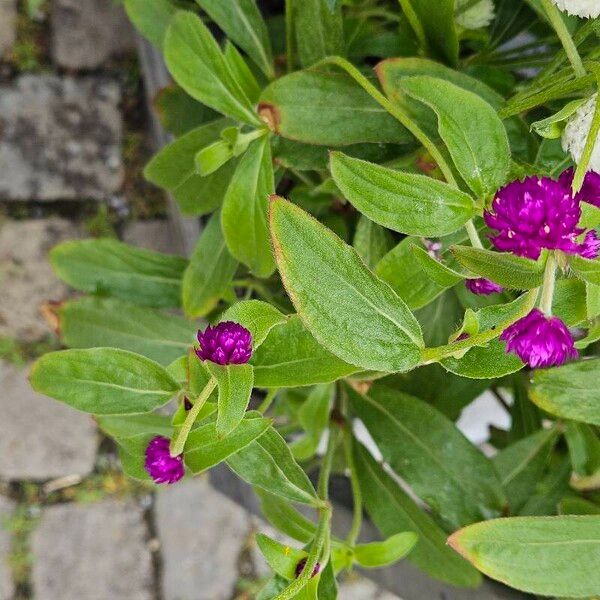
pixel 580 8
pixel 477 16
pixel 576 133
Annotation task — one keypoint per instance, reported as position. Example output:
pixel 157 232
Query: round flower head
pixel 483 287
pixel 474 16
pixel 160 465
pixel 227 343
pixel 534 214
pixel 590 191
pixel 540 341
pixel 590 248
pixel 580 8
pixel 300 568
pixel 576 132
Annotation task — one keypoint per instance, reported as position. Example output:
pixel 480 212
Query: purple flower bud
pixel 434 248
pixel 540 341
pixel 187 405
pixel 590 248
pixel 227 343
pixel 483 287
pixel 534 214
pixel 590 191
pixel 160 465
pixel 300 568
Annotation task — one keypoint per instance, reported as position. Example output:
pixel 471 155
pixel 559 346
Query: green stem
pixel 415 23
pixel 356 491
pixel 473 235
pixel 557 21
pixel 178 443
pixel 289 35
pixel 548 285
pixel 266 403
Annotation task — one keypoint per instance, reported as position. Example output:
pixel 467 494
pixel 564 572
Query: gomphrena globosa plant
pixel 400 204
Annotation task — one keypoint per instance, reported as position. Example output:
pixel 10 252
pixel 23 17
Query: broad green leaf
pixel 549 556
pixel 124 427
pixel 291 357
pixel 151 18
pixel 371 241
pixel 243 24
pixel 245 207
pixel 578 506
pixel 584 450
pixel 439 28
pixel 308 106
pixel 108 267
pixel 313 416
pixel 588 270
pixel 267 463
pixel 336 295
pixel 552 127
pixel 235 386
pixel 405 202
pixel 281 558
pixel 103 381
pixel 93 322
pixel 197 64
pixel 382 554
pixel 435 269
pixel 205 447
pixel 174 170
pixel 286 518
pixel 569 302
pixel 522 464
pixel 209 273
pixel 393 511
pixel 504 268
pixel 241 72
pixel 256 316
pixel 471 130
pixel 427 450
pixel 570 391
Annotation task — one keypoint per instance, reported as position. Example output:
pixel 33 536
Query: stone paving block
pixel 8 25
pixel 60 138
pixel 155 234
pixel 201 533
pixel 41 438
pixel 6 585
pixel 26 278
pixel 355 587
pixel 92 552
pixel 86 33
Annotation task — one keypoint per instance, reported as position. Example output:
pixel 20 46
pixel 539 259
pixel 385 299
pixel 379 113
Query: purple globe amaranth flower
pixel 534 214
pixel 590 248
pixel 227 343
pixel 300 567
pixel 483 287
pixel 590 191
pixel 540 341
pixel 160 465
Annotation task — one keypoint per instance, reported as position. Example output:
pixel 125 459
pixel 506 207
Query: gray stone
pixel 92 552
pixel 41 438
pixel 60 138
pixel 153 235
pixel 201 533
pixel 8 25
pixel 85 33
pixel 355 587
pixel 26 278
pixel 6 585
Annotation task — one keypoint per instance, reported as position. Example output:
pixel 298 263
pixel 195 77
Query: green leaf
pixel 103 381
pixel 291 357
pixel 471 130
pixel 584 450
pixel 197 64
pixel 578 506
pixel 235 386
pixel 504 268
pixel 552 127
pixel 174 170
pixel 267 463
pixel 405 202
pixel 427 450
pixel 245 208
pixel 243 24
pixel 393 511
pixel 93 322
pixel 242 73
pixel 256 316
pixel 109 267
pixel 151 18
pixel 555 556
pixel 308 106
pixel 588 270
pixel 286 518
pixel 335 294
pixel 371 241
pixel 570 391
pixel 313 416
pixel 436 270
pixel 205 446
pixel 209 273
pixel 281 558
pixel 382 554
pixel 439 28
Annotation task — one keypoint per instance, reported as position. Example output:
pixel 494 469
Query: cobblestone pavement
pixel 72 145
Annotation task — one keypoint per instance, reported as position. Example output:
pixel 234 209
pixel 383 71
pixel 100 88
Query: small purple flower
pixel 300 568
pixel 160 465
pixel 434 248
pixel 227 343
pixel 534 214
pixel 483 287
pixel 540 341
pixel 590 191
pixel 590 248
